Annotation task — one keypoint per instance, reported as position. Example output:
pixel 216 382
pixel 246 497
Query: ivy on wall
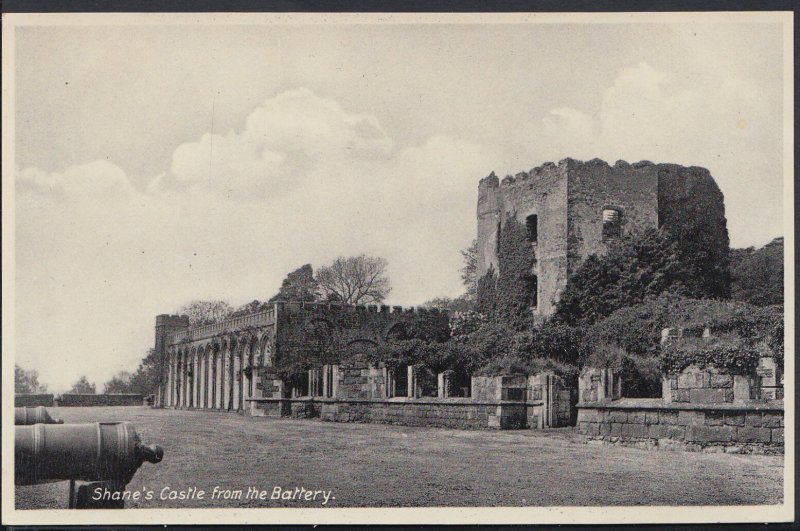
pixel 731 355
pixel 516 283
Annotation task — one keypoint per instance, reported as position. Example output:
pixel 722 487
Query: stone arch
pixel 397 331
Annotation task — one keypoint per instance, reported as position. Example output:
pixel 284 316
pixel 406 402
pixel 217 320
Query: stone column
pixel 220 383
pixel 203 379
pixel 412 382
pixel 237 379
pixel 196 380
pixel 184 379
pixel 210 379
pixel 768 376
pixel 168 390
pixel 445 381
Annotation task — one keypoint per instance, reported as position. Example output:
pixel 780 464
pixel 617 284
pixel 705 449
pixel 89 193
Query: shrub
pixel 730 354
pixel 641 265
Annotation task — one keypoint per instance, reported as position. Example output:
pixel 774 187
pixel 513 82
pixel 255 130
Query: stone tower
pixel 165 325
pixel 574 209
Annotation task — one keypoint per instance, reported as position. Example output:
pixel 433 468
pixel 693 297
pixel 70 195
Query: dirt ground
pixel 365 465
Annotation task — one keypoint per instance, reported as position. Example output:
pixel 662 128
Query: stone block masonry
pixel 33 400
pixel 80 400
pixel 574 209
pixel 458 413
pixel 650 423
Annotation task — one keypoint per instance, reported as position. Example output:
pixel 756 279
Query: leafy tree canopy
pixel 27 381
pixel 206 312
pixel 83 387
pixel 757 274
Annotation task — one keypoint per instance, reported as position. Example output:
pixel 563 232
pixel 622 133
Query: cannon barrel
pixel 25 416
pixel 102 451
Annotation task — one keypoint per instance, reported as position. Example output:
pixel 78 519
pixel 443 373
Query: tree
pixel 640 266
pixel 27 382
pixel 83 387
pixel 299 285
pixel 206 312
pixel 119 383
pixel 149 375
pixel 461 303
pixel 469 272
pixel 250 307
pixel 757 274
pixel 355 280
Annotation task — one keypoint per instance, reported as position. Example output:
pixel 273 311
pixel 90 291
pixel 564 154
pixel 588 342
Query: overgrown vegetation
pixel 757 274
pixel 730 354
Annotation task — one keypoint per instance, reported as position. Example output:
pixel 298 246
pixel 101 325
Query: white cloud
pixel 716 121
pixel 282 142
pixel 100 259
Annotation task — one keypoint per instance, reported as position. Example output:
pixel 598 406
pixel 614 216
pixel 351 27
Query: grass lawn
pixel 391 466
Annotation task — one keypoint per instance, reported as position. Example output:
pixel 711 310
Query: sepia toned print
pixel 453 268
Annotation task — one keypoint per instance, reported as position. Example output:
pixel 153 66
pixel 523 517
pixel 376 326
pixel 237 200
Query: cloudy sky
pixel 159 164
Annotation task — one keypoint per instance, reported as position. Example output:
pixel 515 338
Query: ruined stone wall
pixel 595 186
pixel 543 192
pixel 87 400
pixel 33 400
pixel 652 424
pixel 348 331
pixel 569 200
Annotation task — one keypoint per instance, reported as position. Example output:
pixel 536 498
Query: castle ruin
pixel 575 209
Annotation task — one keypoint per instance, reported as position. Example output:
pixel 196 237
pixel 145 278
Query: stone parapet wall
pixel 80 400
pixel 457 413
pixel 708 386
pixel 33 400
pixel 651 423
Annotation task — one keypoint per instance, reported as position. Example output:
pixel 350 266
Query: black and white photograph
pixel 402 268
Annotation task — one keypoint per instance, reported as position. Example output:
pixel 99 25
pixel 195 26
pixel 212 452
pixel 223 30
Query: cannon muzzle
pixel 102 451
pixel 25 416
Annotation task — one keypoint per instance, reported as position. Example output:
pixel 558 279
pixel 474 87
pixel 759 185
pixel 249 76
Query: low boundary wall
pixel 80 400
pixel 461 413
pixel 651 423
pixel 33 400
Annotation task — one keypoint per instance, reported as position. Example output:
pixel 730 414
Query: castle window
pixel 612 224
pixel 532 224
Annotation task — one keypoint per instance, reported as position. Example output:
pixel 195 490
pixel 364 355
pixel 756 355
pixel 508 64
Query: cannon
pixel 105 453
pixel 25 416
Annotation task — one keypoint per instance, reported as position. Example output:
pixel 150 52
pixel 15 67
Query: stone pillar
pixel 168 390
pixel 388 377
pixel 206 378
pixel 744 387
pixel 445 382
pixel 236 378
pixel 196 386
pixel 598 385
pixel 184 379
pixel 768 376
pixel 219 385
pixel 200 379
pixel 414 390
pixel 210 383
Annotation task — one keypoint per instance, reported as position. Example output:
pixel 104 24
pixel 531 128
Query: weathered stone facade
pixel 576 208
pixel 701 409
pixel 222 365
pixel 652 423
